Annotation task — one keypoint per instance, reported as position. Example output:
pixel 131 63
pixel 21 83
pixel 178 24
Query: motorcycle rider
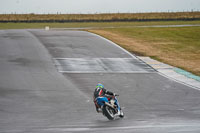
pixel 100 91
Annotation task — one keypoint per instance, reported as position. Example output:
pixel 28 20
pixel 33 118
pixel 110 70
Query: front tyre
pixel 121 114
pixel 108 112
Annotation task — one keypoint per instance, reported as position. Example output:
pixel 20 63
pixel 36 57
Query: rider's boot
pixel 99 110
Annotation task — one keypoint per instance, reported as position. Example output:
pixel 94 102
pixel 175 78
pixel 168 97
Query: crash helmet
pixel 99 85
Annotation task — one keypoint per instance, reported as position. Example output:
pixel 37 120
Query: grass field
pixel 178 46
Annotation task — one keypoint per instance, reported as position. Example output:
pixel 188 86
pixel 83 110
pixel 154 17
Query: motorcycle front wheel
pixel 108 112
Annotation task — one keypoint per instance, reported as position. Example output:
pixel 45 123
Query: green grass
pixel 89 24
pixel 180 40
pixel 184 38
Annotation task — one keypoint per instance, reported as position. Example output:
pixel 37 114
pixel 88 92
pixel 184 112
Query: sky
pixel 96 6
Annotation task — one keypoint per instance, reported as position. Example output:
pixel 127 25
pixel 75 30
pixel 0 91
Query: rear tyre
pixel 108 112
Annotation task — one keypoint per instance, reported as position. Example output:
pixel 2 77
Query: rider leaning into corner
pixel 100 91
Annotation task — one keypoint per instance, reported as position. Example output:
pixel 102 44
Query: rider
pixel 101 91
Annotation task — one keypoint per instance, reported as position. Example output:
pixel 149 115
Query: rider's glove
pixel 115 94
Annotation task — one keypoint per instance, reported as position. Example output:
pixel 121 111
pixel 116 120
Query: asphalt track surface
pixel 47 79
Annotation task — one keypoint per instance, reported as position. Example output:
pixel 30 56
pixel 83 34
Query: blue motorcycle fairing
pixel 101 100
pixel 116 101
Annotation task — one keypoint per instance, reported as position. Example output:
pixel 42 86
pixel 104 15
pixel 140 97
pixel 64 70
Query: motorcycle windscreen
pixel 101 100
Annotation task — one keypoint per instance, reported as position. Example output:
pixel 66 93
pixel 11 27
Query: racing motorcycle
pixel 110 107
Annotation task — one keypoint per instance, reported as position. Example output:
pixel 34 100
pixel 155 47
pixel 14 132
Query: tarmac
pixel 47 80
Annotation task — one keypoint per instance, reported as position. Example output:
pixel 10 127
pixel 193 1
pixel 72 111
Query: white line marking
pixel 146 127
pixel 101 65
pixel 109 72
pixel 95 58
pixel 79 128
pixel 115 45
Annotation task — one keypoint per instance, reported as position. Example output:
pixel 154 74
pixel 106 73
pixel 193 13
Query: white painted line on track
pixel 101 65
pixel 133 56
pixel 89 128
pixel 94 58
pixel 106 72
pixel 77 128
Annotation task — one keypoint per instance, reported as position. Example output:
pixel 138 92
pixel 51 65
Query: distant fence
pixel 94 20
pixel 115 17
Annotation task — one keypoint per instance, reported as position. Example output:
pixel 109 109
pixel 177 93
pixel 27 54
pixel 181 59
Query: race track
pixel 47 79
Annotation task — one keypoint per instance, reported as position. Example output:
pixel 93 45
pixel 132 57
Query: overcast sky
pixel 96 6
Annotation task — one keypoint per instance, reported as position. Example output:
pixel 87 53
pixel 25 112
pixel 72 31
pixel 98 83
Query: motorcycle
pixel 110 107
